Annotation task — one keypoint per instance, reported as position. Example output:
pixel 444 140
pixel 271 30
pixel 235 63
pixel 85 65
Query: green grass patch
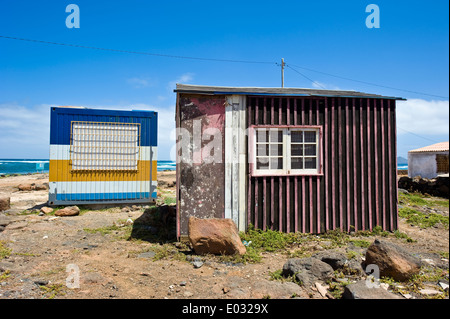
pixel 360 243
pixel 421 219
pixel 418 199
pixel 53 290
pixel 4 251
pixel 119 228
pixel 5 275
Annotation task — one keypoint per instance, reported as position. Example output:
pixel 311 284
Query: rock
pixel 68 211
pixel 321 289
pixel 215 236
pixel 444 285
pixel 5 221
pixel 46 210
pixel 430 292
pixel 25 187
pixel 392 260
pixel 335 259
pixel 183 283
pixel 188 294
pixel 148 254
pixel 40 187
pixel 307 270
pixel 275 290
pixel 41 282
pixel 5 203
pixel 360 290
pixel 197 264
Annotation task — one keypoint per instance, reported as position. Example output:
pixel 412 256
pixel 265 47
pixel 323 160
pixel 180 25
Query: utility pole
pixel 282 72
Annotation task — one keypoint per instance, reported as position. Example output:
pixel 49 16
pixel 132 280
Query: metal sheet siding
pixel 69 186
pixel 357 189
pixel 200 185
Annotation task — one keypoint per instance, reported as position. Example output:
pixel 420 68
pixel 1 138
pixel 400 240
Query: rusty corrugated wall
pixel 358 188
pixel 200 185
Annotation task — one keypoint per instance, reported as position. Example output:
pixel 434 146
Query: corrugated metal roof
pixel 217 90
pixel 438 147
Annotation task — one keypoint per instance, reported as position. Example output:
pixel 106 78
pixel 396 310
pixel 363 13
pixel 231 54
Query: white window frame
pixel 287 151
pixel 104 146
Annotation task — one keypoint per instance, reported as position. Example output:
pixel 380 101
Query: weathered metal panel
pixel 202 182
pixel 90 159
pixel 357 189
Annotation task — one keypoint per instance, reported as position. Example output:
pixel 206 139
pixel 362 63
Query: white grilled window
pixel 286 151
pixel 104 146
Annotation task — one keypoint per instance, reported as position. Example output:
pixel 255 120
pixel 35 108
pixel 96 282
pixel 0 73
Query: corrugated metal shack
pixel 102 156
pixel 289 159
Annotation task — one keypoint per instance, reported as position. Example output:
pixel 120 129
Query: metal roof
pixel 438 147
pixel 222 90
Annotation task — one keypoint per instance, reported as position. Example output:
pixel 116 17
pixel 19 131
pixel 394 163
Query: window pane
pixel 310 137
pixel 276 149
pixel 262 136
pixel 296 163
pixel 276 136
pixel 262 163
pixel 276 163
pixel 310 163
pixel 310 149
pixel 296 149
pixel 262 149
pixel 296 136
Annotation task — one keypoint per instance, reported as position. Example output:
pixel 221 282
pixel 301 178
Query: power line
pixel 369 83
pixel 317 83
pixel 423 137
pixel 220 60
pixel 137 52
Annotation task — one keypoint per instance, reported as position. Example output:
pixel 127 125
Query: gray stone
pixel 360 290
pixel 275 289
pixel 307 270
pixel 197 264
pixel 335 259
pixel 148 254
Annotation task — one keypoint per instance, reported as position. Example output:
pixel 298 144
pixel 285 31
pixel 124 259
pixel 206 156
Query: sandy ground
pixel 44 249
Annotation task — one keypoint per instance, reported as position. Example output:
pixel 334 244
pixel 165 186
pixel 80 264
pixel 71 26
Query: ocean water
pixel 25 166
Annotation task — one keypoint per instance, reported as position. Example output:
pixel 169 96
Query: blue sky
pixel 409 51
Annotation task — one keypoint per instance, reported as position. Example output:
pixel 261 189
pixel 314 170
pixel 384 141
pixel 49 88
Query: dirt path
pixel 41 250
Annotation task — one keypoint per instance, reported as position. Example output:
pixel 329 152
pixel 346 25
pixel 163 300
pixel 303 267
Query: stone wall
pixel 438 186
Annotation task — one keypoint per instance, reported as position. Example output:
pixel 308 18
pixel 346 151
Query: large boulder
pixel 68 211
pixel 215 236
pixel 392 260
pixel 363 290
pixel 307 270
pixel 5 203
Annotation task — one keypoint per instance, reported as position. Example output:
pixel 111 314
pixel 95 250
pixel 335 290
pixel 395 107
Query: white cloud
pixel 184 78
pixel 423 117
pixel 24 131
pixel 139 83
pixel 324 86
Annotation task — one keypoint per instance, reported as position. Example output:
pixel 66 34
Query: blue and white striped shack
pixel 102 156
